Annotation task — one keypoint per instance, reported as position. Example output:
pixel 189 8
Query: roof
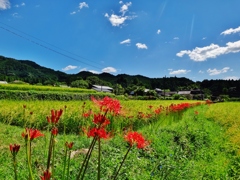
pixel 3 82
pixel 184 92
pixel 102 88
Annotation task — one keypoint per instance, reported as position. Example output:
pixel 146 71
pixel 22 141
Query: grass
pixel 196 146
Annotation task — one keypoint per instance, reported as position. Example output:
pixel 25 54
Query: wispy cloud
pixel 118 20
pixel 231 31
pixel 19 5
pixel 94 72
pixel 141 46
pixel 81 6
pixel 178 72
pixel 215 71
pixel 5 4
pixel 231 78
pixel 109 70
pixel 201 72
pixel 158 31
pixel 69 67
pixel 211 51
pixel 127 41
pixel 176 38
pixel 124 8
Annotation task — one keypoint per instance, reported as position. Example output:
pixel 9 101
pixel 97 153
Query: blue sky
pixel 197 39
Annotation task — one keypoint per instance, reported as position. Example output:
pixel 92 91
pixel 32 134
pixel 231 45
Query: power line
pixel 48 48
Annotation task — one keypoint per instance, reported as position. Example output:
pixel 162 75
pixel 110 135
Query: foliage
pixel 191 147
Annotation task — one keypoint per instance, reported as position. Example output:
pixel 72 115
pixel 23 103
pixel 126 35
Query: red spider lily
pixel 100 133
pixel 179 107
pixel 14 148
pixel 136 138
pixel 100 120
pixel 108 104
pixel 150 107
pixel 46 175
pixel 55 131
pixel 86 115
pixel 158 110
pixel 196 112
pixel 55 116
pixel 69 145
pixel 31 133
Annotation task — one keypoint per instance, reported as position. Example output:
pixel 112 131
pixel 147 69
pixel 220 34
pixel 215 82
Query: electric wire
pixel 48 48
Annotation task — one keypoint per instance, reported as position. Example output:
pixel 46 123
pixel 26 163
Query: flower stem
pixel 115 177
pixel 15 166
pixel 29 159
pixel 49 151
pixel 86 157
pixel 53 156
pixel 64 165
pixel 99 158
pixel 91 149
pixel 69 155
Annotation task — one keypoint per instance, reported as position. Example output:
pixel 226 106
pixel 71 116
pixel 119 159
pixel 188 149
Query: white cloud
pixel 141 46
pixel 211 51
pixel 126 41
pixel 94 72
pixel 178 72
pixel 158 31
pixel 109 70
pixel 215 71
pixel 201 72
pixel 124 8
pixel 118 20
pixel 4 4
pixel 69 67
pixel 83 69
pixel 231 31
pixel 231 78
pixel 74 12
pixel 176 38
pixel 82 5
pixel 19 5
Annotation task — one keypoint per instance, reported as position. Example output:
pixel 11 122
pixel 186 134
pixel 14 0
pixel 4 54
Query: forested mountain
pixel 30 72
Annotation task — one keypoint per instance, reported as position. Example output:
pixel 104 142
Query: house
pixel 3 82
pixel 184 92
pixel 102 88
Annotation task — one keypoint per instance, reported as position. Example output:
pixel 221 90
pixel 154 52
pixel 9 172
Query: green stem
pixel 49 151
pixel 53 156
pixel 69 155
pixel 29 160
pixel 64 165
pixel 99 158
pixel 86 157
pixel 90 153
pixel 115 177
pixel 15 166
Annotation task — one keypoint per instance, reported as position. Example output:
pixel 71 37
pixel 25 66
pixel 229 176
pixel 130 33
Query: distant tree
pixel 118 89
pixel 80 84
